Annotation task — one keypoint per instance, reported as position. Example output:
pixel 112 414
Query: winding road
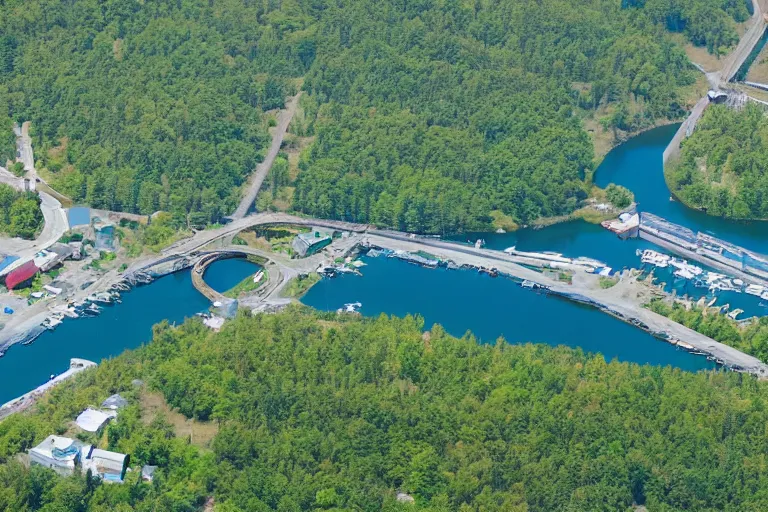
pixel 624 300
pixel 719 79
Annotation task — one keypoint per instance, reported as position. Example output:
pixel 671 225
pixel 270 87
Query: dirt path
pixel 261 171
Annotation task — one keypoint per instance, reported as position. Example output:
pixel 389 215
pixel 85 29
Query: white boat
pixel 589 262
pixel 52 322
pixel 714 276
pixel 655 258
pixel 724 285
pixel 683 265
pixel 755 289
pixel 70 312
pixel 684 273
pixel 544 255
pixel 352 307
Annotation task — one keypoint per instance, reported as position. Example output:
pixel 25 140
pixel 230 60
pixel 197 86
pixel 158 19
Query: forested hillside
pixel 441 112
pixel 427 115
pixel 160 103
pixel 20 213
pixel 723 165
pixel 319 412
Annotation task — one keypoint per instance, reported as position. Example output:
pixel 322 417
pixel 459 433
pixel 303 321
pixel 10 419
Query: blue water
pixel 223 275
pixel 118 328
pixel 464 300
pixel 637 165
pixel 459 300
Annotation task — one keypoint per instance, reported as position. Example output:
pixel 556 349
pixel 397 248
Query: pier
pixel 625 300
pixel 706 249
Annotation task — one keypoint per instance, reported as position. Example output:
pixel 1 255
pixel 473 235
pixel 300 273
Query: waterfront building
pixel 21 276
pixel 92 420
pixel 60 454
pixel 306 244
pixel 109 466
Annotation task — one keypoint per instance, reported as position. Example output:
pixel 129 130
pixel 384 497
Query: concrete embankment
pixel 624 300
pixel 703 259
pixel 28 399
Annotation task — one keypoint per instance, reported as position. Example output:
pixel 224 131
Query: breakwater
pixel 615 305
pixel 462 300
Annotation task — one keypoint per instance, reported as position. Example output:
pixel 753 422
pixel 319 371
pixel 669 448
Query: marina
pixel 463 300
pixel 575 247
pixel 119 327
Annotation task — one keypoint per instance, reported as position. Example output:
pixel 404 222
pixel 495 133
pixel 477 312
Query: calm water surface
pixel 464 300
pixel 459 300
pixel 637 165
pixel 118 328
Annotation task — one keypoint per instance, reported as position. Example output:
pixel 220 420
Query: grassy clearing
pixel 298 286
pixel 608 282
pixel 199 433
pixel 247 285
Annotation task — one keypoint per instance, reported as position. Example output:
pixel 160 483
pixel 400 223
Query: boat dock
pixel 624 300
pixel 701 247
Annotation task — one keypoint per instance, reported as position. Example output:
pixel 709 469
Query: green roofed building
pixel 306 244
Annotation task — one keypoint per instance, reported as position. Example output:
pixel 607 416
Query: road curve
pixel 720 78
pixel 609 300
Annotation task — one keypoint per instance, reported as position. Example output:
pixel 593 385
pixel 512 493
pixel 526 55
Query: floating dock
pixel 701 247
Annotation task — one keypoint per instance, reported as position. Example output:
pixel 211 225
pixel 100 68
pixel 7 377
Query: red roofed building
pixel 21 275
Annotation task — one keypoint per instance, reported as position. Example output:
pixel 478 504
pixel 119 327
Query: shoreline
pixel 581 290
pixel 673 195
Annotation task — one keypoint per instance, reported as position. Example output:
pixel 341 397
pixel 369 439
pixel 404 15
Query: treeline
pixel 723 165
pixel 751 339
pixel 319 412
pixel 147 105
pixel 434 114
pixel 20 213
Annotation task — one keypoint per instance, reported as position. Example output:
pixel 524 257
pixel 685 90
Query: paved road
pixel 261 171
pixel 10 179
pixel 619 299
pixel 719 79
pixel 751 37
pixel 56 223
pixel 24 147
pixel 624 299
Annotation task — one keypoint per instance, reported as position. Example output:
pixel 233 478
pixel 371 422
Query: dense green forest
pixel 723 165
pixel 319 412
pixel 20 213
pixel 437 114
pixel 156 105
pixel 752 339
pixel 428 115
